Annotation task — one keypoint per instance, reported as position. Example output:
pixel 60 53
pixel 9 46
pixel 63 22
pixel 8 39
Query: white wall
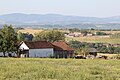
pixel 23 46
pixel 6 54
pixel 40 52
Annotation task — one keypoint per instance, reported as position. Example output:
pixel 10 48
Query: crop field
pixel 111 32
pixel 30 31
pixel 108 55
pixel 58 69
pixel 94 39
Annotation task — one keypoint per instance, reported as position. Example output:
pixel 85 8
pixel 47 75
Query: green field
pixel 58 69
pixel 95 39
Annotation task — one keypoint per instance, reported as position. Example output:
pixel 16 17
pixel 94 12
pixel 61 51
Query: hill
pixel 47 18
pixel 57 21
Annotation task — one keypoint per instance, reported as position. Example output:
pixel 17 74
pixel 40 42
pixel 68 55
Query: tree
pixel 103 49
pixel 74 30
pixel 100 33
pixel 84 32
pixel 51 35
pixel 110 49
pixel 117 50
pixel 8 40
pixel 24 37
pixel 20 37
pixel 85 51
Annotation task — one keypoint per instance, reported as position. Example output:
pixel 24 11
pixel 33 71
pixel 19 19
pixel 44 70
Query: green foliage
pixel 20 37
pixel 51 35
pixel 74 30
pixel 84 32
pixel 8 40
pixel 59 69
pixel 85 51
pixel 79 46
pixel 103 49
pixel 78 51
pixel 110 49
pixel 100 33
pixel 24 37
pixel 117 50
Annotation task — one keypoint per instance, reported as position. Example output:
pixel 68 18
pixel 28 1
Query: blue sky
pixel 90 8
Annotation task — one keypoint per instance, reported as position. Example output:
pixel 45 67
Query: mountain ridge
pixel 52 18
pixel 59 21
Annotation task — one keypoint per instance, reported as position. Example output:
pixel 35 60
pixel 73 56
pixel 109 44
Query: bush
pixel 100 33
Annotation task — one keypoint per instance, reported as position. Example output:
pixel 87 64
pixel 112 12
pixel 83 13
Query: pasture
pixel 95 39
pixel 58 69
pixel 30 31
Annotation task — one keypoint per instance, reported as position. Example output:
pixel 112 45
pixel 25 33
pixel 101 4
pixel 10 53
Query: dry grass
pixel 30 31
pixel 109 55
pixel 108 32
pixel 94 39
pixel 111 32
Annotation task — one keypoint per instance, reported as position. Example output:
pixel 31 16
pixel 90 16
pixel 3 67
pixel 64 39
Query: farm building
pixel 36 49
pixel 62 50
pixel 92 51
pixel 45 49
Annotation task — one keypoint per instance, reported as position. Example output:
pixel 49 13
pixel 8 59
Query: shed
pixel 92 51
pixel 62 50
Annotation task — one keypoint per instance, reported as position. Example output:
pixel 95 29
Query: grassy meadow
pixel 58 69
pixel 94 39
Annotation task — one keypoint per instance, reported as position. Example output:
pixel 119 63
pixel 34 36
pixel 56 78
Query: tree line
pixel 100 47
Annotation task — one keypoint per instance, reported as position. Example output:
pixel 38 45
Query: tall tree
pixel 8 39
pixel 117 50
pixel 51 35
pixel 24 37
pixel 20 37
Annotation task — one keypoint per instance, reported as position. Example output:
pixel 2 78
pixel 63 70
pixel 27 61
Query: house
pixel 62 50
pixel 45 49
pixel 82 35
pixel 89 34
pixel 77 34
pixel 71 35
pixel 35 49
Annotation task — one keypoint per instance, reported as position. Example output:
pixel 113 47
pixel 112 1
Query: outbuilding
pixel 62 50
pixel 92 51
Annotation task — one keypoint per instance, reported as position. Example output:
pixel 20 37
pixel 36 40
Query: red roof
pixel 39 45
pixel 61 46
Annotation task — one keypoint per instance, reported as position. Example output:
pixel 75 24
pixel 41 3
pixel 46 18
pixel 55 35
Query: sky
pixel 86 8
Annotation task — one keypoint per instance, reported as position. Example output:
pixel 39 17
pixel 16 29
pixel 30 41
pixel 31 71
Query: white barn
pixel 36 49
